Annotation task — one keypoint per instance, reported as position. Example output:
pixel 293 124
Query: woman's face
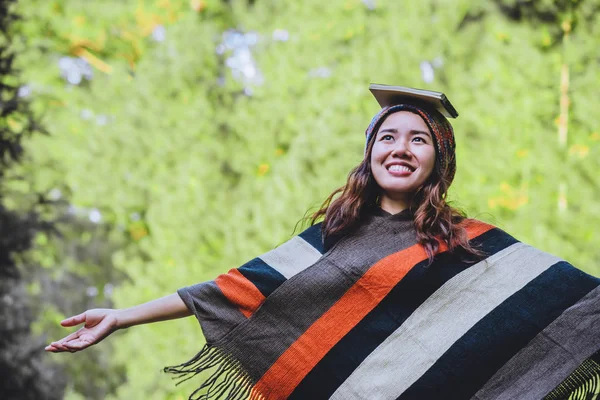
pixel 402 158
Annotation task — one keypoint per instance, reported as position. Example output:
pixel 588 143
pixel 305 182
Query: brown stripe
pixel 207 302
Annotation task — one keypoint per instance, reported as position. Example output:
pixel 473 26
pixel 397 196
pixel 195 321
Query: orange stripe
pixel 302 356
pixel 240 291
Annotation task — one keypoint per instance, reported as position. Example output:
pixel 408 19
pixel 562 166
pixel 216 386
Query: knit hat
pixel 442 132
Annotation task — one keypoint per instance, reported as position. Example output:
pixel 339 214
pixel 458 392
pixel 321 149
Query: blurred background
pixel 148 145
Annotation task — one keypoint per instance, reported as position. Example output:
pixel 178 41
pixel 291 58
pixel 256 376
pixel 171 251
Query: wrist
pixel 121 321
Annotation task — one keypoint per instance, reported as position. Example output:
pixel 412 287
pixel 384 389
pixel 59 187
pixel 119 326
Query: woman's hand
pixel 99 323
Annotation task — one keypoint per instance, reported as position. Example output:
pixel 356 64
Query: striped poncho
pixel 367 318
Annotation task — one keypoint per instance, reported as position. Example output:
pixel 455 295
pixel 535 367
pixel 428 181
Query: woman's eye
pixel 420 138
pixel 386 137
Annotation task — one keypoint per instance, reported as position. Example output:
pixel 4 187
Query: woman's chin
pixel 399 191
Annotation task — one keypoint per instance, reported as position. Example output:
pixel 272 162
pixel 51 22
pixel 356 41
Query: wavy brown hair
pixel 433 218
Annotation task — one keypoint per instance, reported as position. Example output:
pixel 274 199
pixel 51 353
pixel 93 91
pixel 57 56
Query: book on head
pixel 387 95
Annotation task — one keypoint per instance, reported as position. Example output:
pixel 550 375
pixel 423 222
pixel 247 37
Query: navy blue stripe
pixel 494 340
pixel 420 283
pixel 265 278
pixel 313 236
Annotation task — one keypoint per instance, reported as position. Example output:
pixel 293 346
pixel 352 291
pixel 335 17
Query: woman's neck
pixel 392 206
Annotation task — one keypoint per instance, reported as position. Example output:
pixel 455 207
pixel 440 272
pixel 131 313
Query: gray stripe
pixel 213 310
pixel 557 350
pixel 292 256
pixel 302 299
pixel 441 320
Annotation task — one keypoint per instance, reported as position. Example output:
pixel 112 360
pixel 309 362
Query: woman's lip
pixel 401 172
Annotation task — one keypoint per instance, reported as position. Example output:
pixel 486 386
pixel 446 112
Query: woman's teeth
pixel 398 168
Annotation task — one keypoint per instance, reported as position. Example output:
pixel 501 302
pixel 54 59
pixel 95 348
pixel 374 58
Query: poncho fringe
pixel 582 384
pixel 227 378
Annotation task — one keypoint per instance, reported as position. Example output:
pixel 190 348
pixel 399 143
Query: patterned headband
pixel 443 134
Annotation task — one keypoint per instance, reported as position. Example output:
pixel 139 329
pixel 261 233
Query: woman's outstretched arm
pixel 101 322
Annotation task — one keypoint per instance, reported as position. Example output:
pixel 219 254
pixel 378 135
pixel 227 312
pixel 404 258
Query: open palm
pixel 99 323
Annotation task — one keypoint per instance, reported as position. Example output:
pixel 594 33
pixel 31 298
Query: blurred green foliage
pixel 26 374
pixel 186 165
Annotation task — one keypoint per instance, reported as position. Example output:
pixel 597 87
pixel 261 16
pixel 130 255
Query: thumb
pixel 74 320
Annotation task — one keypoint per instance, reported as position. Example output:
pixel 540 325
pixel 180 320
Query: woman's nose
pixel 401 149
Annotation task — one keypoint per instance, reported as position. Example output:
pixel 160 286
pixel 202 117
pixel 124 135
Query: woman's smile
pixel 401 170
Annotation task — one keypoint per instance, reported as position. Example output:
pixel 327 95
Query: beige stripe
pixel 441 320
pixel 292 257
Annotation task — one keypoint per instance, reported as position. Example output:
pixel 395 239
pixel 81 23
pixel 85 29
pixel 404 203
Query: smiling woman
pixel 394 295
pixel 409 165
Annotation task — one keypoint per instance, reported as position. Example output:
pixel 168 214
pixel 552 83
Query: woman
pixel 403 298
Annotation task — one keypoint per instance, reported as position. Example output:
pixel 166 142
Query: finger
pixel 57 347
pixel 76 345
pixel 60 344
pixel 74 320
pixel 51 348
pixel 69 337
